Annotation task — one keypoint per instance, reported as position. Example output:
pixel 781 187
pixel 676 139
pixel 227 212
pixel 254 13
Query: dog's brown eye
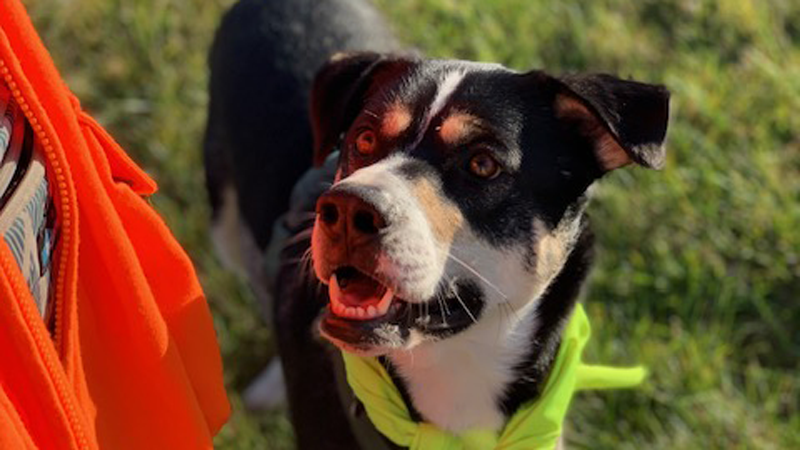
pixel 366 142
pixel 484 166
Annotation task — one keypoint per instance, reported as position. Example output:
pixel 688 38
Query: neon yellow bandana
pixel 536 425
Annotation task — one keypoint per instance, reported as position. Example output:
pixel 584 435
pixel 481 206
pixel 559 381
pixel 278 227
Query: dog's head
pixel 460 187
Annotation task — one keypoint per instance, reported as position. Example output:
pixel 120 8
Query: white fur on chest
pixel 457 383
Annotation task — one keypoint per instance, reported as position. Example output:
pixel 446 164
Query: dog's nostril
pixel 365 222
pixel 329 213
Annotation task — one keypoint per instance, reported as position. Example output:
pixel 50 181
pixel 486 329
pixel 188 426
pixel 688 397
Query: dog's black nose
pixel 346 214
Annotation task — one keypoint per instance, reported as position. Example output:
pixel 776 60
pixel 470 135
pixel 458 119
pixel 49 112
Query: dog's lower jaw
pixel 456 383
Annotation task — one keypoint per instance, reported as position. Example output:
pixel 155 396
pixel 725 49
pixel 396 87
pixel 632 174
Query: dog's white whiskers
pixel 302 260
pixel 464 305
pixel 502 323
pixel 427 311
pixel 450 281
pixel 451 286
pixel 423 312
pixel 303 234
pixel 305 263
pixel 299 260
pixel 507 310
pixel 441 302
pixel 477 274
pixel 510 309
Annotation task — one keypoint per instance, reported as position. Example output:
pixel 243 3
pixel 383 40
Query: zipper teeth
pixel 65 217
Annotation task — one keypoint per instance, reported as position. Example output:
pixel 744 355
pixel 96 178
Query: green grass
pixel 699 268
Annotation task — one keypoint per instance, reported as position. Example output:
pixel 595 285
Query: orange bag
pixel 134 362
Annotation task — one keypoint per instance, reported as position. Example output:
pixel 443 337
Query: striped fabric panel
pixel 25 200
pixel 23 238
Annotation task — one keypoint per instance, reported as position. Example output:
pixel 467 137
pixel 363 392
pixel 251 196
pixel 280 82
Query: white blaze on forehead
pixel 447 86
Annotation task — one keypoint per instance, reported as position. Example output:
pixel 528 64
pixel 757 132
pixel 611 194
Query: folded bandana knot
pixel 536 425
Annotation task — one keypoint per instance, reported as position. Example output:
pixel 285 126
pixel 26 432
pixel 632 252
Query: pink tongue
pixel 361 290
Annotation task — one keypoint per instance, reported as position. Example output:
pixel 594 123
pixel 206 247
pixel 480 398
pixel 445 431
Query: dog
pixel 258 138
pixel 452 241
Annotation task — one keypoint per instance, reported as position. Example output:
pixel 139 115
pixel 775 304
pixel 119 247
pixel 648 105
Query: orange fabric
pixel 134 362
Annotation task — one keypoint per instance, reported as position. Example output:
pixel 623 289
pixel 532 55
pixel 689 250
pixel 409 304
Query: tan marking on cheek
pixel 395 121
pixel 552 249
pixel 457 127
pixel 549 256
pixel 444 217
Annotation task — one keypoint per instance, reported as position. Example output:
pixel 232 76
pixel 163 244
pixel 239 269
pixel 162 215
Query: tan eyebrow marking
pixel 395 121
pixel 458 126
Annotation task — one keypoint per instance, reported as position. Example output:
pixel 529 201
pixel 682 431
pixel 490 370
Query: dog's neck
pixel 480 377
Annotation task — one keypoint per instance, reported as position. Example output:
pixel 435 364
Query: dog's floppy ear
pixel 336 97
pixel 626 121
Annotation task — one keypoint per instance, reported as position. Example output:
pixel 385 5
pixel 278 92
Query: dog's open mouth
pixel 364 314
pixel 355 295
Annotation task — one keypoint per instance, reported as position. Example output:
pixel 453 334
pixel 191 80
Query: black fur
pixel 318 414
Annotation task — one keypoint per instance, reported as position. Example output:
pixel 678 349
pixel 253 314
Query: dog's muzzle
pixel 375 248
pixel 351 227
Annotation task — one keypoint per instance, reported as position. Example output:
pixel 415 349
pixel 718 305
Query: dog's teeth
pixel 386 300
pixel 334 293
pixel 338 307
pixel 334 290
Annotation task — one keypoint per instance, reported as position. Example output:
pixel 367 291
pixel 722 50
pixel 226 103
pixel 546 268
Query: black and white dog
pixel 258 138
pixel 452 241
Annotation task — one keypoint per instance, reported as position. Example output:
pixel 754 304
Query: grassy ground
pixel 699 269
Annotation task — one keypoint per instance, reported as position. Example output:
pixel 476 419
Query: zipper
pixel 65 217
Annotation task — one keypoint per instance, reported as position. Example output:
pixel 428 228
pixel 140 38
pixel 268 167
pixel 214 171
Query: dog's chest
pixel 457 384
